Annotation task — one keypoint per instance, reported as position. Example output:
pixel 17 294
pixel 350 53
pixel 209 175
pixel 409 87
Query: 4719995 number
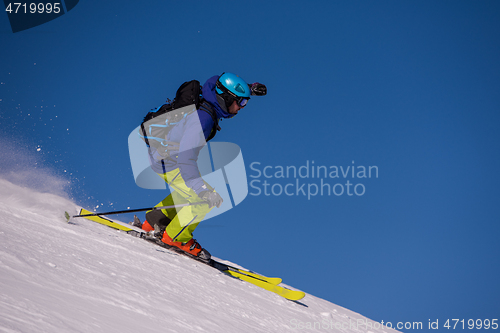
pixel 33 8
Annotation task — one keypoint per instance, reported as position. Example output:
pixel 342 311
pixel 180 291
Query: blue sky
pixel 409 87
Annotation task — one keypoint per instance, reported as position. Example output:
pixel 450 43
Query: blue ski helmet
pixel 231 88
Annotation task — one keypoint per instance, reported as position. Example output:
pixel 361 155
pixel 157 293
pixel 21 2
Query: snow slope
pixel 85 277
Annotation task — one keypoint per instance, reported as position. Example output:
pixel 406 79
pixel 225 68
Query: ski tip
pixel 66 214
pixel 296 296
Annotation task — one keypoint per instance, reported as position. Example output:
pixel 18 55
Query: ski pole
pixel 141 209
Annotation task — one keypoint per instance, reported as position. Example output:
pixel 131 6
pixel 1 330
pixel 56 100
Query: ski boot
pixel 150 233
pixel 191 248
pixel 155 224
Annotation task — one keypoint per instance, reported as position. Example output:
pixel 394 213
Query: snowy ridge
pixel 85 277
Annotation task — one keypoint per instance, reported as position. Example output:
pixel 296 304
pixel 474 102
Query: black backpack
pixel 158 122
pixel 187 94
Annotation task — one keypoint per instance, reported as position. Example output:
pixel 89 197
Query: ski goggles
pixel 242 101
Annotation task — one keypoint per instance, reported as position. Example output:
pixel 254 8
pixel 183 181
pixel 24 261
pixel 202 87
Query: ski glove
pixel 258 89
pixel 212 198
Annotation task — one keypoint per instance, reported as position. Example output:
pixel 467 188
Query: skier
pixel 223 97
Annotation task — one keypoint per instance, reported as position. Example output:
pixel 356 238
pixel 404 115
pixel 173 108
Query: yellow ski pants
pixel 184 219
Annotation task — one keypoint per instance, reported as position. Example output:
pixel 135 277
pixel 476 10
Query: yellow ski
pixel 272 280
pixel 293 295
pixel 102 220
